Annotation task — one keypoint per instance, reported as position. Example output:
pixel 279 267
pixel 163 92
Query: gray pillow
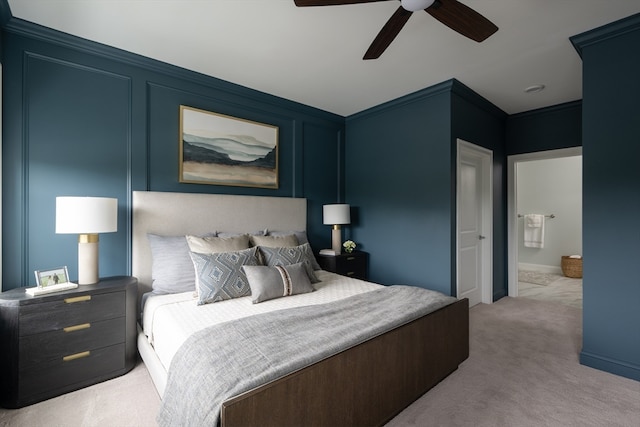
pixel 219 276
pixel 235 233
pixel 300 235
pixel 302 239
pixel 282 241
pixel 275 282
pixel 171 268
pixel 288 256
pixel 212 244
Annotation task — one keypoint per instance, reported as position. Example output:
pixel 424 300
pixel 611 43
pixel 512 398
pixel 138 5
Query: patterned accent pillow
pixel 288 256
pixel 275 282
pixel 219 276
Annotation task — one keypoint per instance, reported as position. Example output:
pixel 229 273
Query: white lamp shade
pixel 336 214
pixel 86 215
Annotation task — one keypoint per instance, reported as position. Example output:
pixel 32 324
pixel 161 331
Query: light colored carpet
pixel 550 287
pixel 129 400
pixel 523 371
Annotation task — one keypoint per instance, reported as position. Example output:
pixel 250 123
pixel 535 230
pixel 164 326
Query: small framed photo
pixel 55 276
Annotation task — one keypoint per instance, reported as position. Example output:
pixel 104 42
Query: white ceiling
pixel 313 55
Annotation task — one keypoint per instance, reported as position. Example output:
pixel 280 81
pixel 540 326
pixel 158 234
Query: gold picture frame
pixel 223 150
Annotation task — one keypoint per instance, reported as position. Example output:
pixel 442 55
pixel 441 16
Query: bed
pixel 397 353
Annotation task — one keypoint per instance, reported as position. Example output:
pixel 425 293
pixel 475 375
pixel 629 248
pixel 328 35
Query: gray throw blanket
pixel 225 360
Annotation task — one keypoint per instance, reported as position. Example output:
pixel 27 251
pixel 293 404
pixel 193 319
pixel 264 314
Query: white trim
pixel 512 215
pixel 486 157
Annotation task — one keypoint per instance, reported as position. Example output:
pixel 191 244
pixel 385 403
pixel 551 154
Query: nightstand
pixel 56 343
pixel 352 265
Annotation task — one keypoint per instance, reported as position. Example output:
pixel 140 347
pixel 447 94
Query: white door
pixel 474 230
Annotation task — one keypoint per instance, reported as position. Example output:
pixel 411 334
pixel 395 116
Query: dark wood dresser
pixel 352 265
pixel 56 343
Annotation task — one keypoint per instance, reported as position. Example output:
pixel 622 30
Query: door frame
pixel 512 214
pixel 486 157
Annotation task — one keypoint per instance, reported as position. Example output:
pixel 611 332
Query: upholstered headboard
pixel 175 214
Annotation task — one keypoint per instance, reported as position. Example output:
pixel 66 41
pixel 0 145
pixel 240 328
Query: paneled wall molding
pixel 33 55
pixel 68 131
pixel 48 35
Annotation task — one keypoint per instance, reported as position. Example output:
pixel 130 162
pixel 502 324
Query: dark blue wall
pixel 400 177
pixel 477 121
pixel 84 119
pixel 81 118
pixel 611 197
pixel 545 129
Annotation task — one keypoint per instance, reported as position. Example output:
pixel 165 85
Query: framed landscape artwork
pixel 224 150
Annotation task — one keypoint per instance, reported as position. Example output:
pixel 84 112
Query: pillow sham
pixel 235 233
pixel 302 239
pixel 219 276
pixel 171 267
pixel 282 241
pixel 213 244
pixel 300 235
pixel 288 256
pixel 276 282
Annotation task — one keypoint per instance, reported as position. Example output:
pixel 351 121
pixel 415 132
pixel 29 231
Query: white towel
pixel 534 231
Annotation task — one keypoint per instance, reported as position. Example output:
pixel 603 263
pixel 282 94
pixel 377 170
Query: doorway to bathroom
pixel 545 225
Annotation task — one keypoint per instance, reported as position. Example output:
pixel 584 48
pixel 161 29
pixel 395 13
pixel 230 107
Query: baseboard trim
pixel 553 269
pixel 607 364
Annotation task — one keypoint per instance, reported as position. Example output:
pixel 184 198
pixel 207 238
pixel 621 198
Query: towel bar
pixel 546 216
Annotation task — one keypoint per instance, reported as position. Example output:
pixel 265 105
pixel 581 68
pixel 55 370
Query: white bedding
pixel 168 320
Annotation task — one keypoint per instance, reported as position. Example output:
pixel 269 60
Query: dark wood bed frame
pixel 366 385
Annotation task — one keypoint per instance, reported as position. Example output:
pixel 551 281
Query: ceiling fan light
pixel 416 5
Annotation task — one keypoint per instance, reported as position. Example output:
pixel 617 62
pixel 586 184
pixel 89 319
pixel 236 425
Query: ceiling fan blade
pixel 302 3
pixel 388 33
pixel 462 19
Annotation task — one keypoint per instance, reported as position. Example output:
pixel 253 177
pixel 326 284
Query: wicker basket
pixel 571 267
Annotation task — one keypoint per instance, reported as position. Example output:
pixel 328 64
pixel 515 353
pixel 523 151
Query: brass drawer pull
pixel 76 356
pixel 351 258
pixel 350 273
pixel 77 327
pixel 77 299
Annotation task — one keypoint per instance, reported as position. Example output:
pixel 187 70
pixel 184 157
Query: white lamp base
pixel 87 259
pixel 336 239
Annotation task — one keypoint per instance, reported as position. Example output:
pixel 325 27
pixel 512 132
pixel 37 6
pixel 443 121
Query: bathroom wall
pixel 552 186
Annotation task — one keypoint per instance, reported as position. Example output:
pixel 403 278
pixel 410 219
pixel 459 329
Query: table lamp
pixel 336 215
pixel 86 216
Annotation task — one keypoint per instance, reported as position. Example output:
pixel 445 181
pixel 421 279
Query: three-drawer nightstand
pixel 56 343
pixel 352 265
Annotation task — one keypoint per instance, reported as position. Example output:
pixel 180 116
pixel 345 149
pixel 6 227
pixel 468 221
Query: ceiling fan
pixel 451 13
